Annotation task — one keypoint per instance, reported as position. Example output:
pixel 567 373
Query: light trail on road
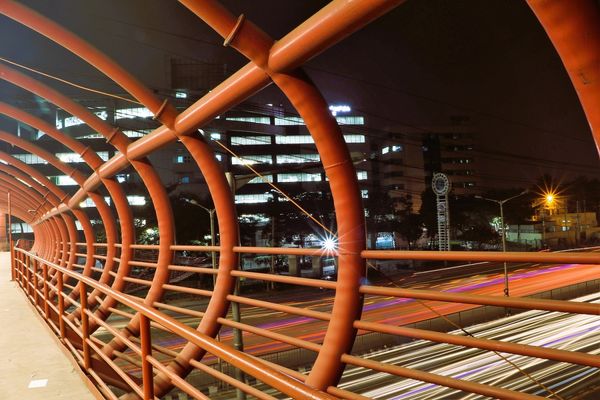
pixel 538 328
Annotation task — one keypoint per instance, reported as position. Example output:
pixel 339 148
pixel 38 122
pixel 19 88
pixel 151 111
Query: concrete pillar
pixel 293 267
pixel 317 267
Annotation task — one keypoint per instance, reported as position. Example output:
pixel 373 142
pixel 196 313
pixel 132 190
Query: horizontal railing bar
pixel 199 270
pixel 125 376
pixel 280 307
pixel 295 280
pixel 467 386
pixel 547 353
pixel 300 343
pixel 105 389
pixel 177 380
pixel 195 248
pixel 114 332
pixel 529 303
pixel 240 360
pixel 230 380
pixel 185 289
pixel 496 256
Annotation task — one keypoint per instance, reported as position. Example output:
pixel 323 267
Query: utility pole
pixel 501 204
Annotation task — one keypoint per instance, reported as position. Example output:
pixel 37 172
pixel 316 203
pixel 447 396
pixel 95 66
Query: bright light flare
pixel 550 198
pixel 329 244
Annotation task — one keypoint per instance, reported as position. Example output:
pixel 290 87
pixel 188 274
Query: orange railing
pixel 113 308
pixel 82 331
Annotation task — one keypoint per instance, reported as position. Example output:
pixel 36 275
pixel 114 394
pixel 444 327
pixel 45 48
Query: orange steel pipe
pixel 240 360
pixel 573 357
pixel 574 29
pixel 78 46
pixel 236 88
pixel 337 163
pixel 228 261
pixel 510 302
pixel 467 386
pixel 534 257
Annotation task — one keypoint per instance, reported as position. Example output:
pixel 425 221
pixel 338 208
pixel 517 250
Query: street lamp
pixel 501 203
pixel 211 213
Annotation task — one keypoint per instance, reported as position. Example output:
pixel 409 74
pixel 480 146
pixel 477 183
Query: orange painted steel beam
pixel 240 360
pixel 242 84
pixel 573 357
pixel 464 385
pixel 533 257
pixel 337 163
pixel 528 303
pixel 574 29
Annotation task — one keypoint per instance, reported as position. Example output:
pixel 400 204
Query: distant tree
pixel 480 234
pixel 410 228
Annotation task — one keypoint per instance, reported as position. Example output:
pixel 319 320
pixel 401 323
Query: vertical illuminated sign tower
pixel 441 186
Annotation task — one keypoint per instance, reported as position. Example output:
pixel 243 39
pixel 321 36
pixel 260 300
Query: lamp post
pixel 501 203
pixel 211 213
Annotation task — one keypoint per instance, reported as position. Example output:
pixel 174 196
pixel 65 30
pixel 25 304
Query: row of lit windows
pixel 64 157
pixel 293 139
pixel 128 133
pixel 293 121
pixel 279 158
pixel 133 200
pixel 300 177
pixel 253 198
pixel 266 197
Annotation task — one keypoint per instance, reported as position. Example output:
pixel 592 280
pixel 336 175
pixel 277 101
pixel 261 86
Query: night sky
pixel 419 65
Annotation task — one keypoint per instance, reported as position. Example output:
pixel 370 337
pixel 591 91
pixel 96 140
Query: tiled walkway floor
pixel 28 354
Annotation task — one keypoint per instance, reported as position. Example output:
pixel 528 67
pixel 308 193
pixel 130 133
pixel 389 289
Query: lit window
pixel 181 95
pixel 354 138
pixel 397 147
pixel 252 159
pixel 62 180
pixel 182 159
pixel 361 175
pixel 297 158
pixel 72 121
pixel 184 179
pixel 122 178
pixel 287 121
pixel 385 150
pixel 69 157
pixel 364 194
pixel 255 120
pixel 253 198
pixel 294 139
pixel 250 140
pixel 350 120
pixel 215 136
pixel 136 200
pixel 299 177
pixel 133 134
pixel 129 113
pixel 30 158
pixel 263 179
pixel 78 225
